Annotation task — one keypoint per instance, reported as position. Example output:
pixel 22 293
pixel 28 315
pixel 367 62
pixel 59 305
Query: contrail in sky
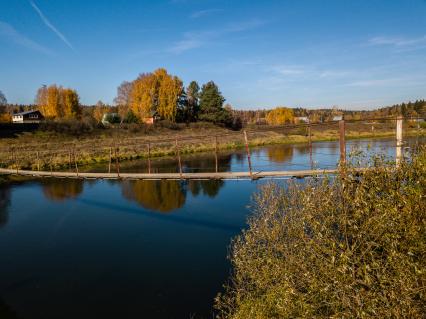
pixel 50 25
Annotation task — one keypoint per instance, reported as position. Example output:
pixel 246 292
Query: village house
pixel 337 117
pixel 33 116
pixel 301 119
pixel 152 118
pixel 110 118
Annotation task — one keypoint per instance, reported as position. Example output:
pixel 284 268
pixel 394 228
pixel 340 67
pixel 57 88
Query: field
pixel 52 150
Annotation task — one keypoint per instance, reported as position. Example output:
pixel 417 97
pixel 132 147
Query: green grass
pixel 95 148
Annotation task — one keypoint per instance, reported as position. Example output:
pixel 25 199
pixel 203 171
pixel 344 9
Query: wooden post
pixel 16 161
pixel 248 152
pixel 399 157
pixel 110 160
pixel 178 157
pixel 117 161
pixel 50 164
pixel 13 158
pixel 215 154
pixel 75 162
pixel 342 142
pixel 310 145
pixel 38 161
pixel 149 158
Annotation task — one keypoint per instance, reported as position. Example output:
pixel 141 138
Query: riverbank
pixel 47 151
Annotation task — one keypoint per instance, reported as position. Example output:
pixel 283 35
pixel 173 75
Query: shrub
pixel 131 117
pixel 70 126
pixel 349 247
pixel 168 124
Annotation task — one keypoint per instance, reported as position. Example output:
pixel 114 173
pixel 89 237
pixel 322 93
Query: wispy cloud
pixel 202 13
pixel 7 31
pixel 402 81
pixel 397 41
pixel 50 25
pixel 197 39
pixel 289 69
pixel 190 41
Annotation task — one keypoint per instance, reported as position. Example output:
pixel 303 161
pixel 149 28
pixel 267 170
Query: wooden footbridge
pixel 215 175
pixel 171 176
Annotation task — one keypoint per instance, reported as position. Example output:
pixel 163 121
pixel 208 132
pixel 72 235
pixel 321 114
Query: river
pixel 134 249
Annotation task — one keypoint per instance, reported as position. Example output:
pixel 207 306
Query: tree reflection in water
pixel 208 163
pixel 209 188
pixel 57 189
pixel 163 196
pixel 280 154
pixel 166 195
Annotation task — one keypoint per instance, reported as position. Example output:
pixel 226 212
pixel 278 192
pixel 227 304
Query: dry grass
pixel 47 150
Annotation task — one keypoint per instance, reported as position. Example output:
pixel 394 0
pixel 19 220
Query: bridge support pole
pixel 215 154
pixel 117 161
pixel 110 160
pixel 399 156
pixel 38 161
pixel 342 142
pixel 248 152
pixel 178 157
pixel 75 162
pixel 149 158
pixel 310 145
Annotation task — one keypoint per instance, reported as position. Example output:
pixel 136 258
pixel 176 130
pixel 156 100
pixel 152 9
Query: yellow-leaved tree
pixel 57 102
pixel 279 116
pixel 144 95
pixel 156 92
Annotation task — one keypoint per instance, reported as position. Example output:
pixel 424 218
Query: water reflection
pixel 163 195
pixel 57 189
pixel 166 195
pixel 6 312
pixel 280 154
pixel 207 163
pixel 209 188
pixel 4 205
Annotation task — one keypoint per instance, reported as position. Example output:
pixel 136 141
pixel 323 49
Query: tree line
pixel 163 95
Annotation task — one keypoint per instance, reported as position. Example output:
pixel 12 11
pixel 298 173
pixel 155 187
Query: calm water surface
pixel 133 249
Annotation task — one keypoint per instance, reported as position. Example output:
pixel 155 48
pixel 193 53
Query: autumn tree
pixel 279 116
pixel 4 116
pixel 144 95
pixel 123 98
pixel 58 102
pixel 169 90
pixel 70 103
pixel 99 110
pixel 156 92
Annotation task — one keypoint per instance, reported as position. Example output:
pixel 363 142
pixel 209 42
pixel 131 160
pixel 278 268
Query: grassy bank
pixel 55 151
pixel 348 247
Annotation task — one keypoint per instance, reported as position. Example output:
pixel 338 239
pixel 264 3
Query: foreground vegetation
pixel 349 247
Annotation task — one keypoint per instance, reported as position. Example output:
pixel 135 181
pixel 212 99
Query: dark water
pixel 133 249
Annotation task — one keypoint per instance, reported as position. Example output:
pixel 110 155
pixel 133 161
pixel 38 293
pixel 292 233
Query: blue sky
pixel 353 54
